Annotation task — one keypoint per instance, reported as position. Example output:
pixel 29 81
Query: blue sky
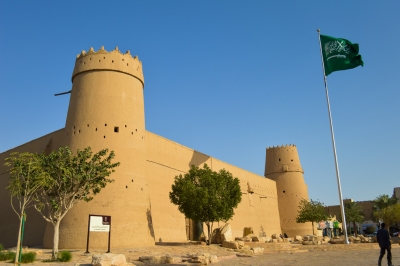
pixel 227 78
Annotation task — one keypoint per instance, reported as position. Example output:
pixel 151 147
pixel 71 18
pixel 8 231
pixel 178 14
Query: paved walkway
pixel 299 255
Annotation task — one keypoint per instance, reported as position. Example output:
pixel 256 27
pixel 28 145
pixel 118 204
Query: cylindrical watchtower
pixel 106 110
pixel 282 164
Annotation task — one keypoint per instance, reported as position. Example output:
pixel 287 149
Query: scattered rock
pixel 246 251
pixel 240 243
pixel 222 234
pixel 243 255
pixel 230 244
pixel 257 250
pixel 108 259
pixel 213 259
pixel 336 241
pixel 298 239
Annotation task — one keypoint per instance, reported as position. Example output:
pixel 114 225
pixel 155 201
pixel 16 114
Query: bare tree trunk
pixel 55 239
pixel 19 240
pixel 313 228
pixel 210 233
pixel 355 230
pixel 208 228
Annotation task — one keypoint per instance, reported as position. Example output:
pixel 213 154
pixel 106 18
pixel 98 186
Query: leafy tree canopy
pixel 390 215
pixel 205 195
pixel 72 178
pixel 311 211
pixel 382 202
pixel 26 178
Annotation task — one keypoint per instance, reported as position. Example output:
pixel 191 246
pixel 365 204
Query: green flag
pixel 339 54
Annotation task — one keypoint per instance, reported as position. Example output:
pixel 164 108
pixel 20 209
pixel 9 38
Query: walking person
pixel 384 243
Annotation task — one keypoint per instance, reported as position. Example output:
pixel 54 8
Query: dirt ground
pixel 353 254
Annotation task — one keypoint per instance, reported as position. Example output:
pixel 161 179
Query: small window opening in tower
pixel 126 64
pixel 79 131
pixel 104 136
pixel 126 126
pixel 126 186
pixel 87 125
pixel 99 60
pixel 104 57
pixel 279 159
pixel 112 61
pixel 116 129
pixel 136 130
pixel 105 125
pixel 132 133
pixel 90 58
pixel 284 191
pixel 291 160
pixel 96 128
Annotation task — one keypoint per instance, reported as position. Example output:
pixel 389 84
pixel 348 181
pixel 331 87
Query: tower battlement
pixel 110 61
pixel 281 159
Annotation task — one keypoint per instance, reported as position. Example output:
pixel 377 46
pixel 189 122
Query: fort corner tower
pixel 106 110
pixel 282 164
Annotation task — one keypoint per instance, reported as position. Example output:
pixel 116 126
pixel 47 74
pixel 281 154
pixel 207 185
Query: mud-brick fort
pixel 106 110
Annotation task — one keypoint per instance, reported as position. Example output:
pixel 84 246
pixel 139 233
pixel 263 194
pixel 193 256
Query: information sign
pixel 100 223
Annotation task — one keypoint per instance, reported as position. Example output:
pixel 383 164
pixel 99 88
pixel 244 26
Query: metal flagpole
pixel 333 145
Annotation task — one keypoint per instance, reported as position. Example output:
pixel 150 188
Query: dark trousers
pixel 389 255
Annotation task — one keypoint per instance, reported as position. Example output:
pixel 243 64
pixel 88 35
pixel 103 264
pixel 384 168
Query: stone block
pixel 213 259
pixel 240 243
pixel 108 259
pixel 230 244
pixel 246 251
pixel 257 250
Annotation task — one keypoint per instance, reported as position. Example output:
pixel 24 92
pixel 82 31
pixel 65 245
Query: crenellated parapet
pixel 110 61
pixel 281 159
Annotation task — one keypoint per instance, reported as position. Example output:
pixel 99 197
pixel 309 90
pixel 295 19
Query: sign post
pixel 99 223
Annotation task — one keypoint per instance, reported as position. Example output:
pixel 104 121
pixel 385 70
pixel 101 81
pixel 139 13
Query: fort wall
pixel 107 111
pixel 167 159
pixel 9 221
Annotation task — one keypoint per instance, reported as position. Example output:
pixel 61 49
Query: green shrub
pixel 1 247
pixel 64 256
pixel 28 257
pixel 7 256
pixel 370 229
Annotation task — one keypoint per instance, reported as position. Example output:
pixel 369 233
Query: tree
pixel 205 195
pixel 354 213
pixel 382 202
pixel 390 215
pixel 26 178
pixel 72 178
pixel 311 211
pixel 380 205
